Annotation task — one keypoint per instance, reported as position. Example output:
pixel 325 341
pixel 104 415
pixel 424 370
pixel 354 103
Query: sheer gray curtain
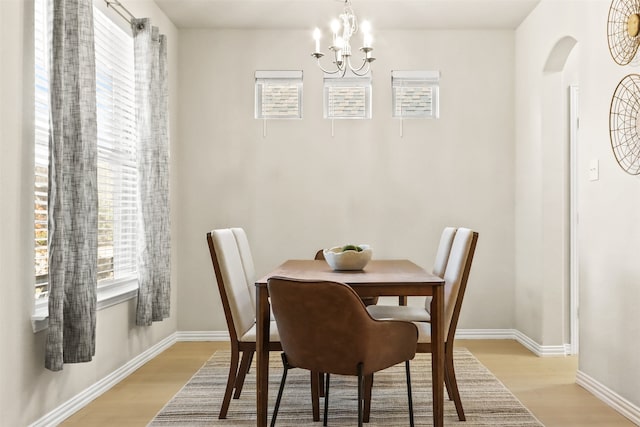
pixel 153 172
pixel 73 191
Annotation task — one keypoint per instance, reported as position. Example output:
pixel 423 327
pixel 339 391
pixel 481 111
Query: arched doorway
pixel 559 123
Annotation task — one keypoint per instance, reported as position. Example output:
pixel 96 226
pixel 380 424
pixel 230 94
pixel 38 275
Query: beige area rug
pixel 486 400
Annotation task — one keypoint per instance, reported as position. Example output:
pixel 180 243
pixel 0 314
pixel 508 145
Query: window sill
pixel 107 296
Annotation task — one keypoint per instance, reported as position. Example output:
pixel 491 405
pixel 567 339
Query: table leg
pixel 262 354
pixel 437 358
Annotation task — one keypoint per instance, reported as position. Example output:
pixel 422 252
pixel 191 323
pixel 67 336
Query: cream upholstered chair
pixel 455 277
pixel 325 327
pixel 235 275
pixel 239 310
pixel 414 313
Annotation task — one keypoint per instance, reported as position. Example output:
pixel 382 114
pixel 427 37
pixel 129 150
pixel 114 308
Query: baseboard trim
pixel 202 336
pixel 83 398
pixel 608 396
pixel 485 334
pixel 537 349
pixel 512 334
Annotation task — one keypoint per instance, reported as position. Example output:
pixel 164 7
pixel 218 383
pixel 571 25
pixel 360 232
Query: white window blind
pixel 278 94
pixel 117 174
pixel 41 35
pixel 415 94
pixel 347 97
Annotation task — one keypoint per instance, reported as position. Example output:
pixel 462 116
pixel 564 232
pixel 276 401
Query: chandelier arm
pixel 356 71
pixel 337 70
pixel 362 74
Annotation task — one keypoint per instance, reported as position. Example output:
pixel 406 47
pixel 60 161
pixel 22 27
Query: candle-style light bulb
pixel 316 37
pixel 365 26
pixel 366 34
pixel 335 27
pixel 368 40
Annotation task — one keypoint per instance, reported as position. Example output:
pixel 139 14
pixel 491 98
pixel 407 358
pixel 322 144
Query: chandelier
pixel 343 29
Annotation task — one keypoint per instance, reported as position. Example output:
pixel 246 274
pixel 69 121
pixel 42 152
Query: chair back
pixel 456 276
pixel 236 299
pixel 247 262
pixel 442 256
pixel 325 327
pixel 444 249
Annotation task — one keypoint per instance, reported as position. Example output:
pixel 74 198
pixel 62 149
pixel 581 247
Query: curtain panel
pixel 154 258
pixel 73 191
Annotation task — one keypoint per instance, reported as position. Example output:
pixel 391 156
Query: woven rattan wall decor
pixel 623 35
pixel 623 124
pixel 623 30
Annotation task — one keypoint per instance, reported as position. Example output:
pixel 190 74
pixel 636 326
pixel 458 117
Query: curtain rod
pixel 115 3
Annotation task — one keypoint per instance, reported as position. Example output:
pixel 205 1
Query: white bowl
pixel 347 260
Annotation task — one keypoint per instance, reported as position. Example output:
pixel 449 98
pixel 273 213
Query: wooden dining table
pixel 378 278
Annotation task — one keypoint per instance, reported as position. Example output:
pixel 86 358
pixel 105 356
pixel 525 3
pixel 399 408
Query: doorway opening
pixel 560 219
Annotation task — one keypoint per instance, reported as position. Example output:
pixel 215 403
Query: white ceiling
pixel 383 14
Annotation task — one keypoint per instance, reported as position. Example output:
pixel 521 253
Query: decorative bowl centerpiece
pixel 348 257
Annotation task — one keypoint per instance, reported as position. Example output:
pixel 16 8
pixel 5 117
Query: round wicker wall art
pixel 623 30
pixel 624 124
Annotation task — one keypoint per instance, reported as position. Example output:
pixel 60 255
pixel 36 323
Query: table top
pixel 379 277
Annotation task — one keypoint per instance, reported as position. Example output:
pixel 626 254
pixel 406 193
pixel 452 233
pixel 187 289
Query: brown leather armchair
pixel 325 327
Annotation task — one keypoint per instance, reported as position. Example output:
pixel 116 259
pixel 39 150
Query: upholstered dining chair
pixel 366 300
pixel 235 275
pixel 325 327
pixel 416 313
pixel 239 310
pixel 455 277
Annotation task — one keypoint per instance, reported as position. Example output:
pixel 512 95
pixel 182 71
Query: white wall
pixel 299 189
pixel 35 391
pixel 608 208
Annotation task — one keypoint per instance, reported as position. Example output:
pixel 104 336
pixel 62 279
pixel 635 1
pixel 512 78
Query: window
pixel 278 95
pixel 415 94
pixel 347 97
pixel 117 174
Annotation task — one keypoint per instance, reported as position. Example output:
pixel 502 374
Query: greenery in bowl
pixel 348 257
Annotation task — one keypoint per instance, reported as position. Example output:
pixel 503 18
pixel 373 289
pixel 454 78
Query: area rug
pixel 486 400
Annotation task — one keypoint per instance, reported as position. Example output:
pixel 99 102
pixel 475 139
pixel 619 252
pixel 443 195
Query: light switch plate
pixel 594 170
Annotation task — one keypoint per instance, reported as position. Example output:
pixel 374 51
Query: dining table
pixel 380 277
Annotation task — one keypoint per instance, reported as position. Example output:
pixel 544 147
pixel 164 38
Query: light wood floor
pixel 544 385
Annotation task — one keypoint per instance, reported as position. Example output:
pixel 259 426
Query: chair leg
pixel 250 361
pixel 368 386
pixel 321 383
pixel 247 356
pixel 286 367
pixel 409 393
pixel 315 398
pixel 326 399
pixel 450 373
pixel 360 380
pixel 447 383
pixel 233 370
